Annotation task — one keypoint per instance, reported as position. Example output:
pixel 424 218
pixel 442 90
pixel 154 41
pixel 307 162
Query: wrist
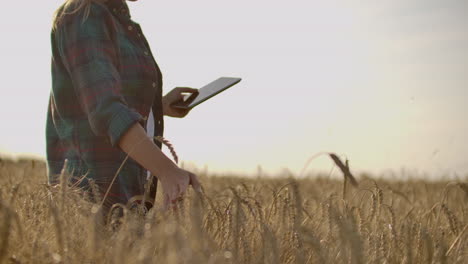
pixel 164 169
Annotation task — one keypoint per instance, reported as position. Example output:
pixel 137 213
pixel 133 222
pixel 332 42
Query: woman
pixel 106 89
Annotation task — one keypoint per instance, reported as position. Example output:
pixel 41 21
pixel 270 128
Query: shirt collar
pixel 118 7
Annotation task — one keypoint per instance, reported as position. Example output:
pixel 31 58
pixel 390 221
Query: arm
pixel 89 53
pixel 174 180
pixel 139 146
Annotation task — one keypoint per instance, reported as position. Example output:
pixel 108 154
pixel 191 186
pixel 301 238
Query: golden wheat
pixel 238 220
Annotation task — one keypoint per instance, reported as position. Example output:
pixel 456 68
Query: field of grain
pixel 239 220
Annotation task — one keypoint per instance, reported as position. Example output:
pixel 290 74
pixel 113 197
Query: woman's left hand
pixel 174 96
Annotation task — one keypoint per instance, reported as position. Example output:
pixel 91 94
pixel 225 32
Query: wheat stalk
pixel 168 144
pixel 456 241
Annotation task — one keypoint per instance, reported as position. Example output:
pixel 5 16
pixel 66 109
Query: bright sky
pixel 382 82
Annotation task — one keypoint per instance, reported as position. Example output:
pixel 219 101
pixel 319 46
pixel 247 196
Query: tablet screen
pixel 208 91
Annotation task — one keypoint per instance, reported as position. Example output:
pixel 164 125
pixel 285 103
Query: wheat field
pixel 239 220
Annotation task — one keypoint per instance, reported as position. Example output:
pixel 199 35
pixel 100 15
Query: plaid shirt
pixel 104 79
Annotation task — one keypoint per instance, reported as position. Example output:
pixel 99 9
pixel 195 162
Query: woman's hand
pixel 175 184
pixel 142 149
pixel 174 96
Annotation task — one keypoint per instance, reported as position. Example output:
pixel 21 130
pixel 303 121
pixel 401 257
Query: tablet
pixel 206 92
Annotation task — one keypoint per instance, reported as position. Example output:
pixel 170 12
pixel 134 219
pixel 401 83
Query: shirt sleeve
pixel 89 53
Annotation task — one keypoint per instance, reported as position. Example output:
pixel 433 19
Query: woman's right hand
pixel 142 149
pixel 175 184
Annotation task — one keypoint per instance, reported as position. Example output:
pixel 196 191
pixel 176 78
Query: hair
pixel 71 7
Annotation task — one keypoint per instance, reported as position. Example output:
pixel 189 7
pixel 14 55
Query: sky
pixel 383 83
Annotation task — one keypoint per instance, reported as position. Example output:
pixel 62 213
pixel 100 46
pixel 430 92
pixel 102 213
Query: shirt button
pixel 146 53
pixel 130 28
pixel 154 84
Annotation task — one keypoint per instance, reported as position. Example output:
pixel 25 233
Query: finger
pixel 179 189
pixel 183 189
pixel 195 183
pixel 180 96
pixel 166 202
pixel 186 90
pixel 180 112
pixel 173 206
pixel 173 197
pixel 178 199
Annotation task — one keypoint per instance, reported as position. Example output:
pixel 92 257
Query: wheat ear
pixel 168 144
pixel 344 169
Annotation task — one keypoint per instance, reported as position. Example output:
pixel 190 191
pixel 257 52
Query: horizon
pixel 399 174
pixel 383 84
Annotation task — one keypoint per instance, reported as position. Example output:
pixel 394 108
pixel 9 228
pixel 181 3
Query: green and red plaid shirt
pixel 104 79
